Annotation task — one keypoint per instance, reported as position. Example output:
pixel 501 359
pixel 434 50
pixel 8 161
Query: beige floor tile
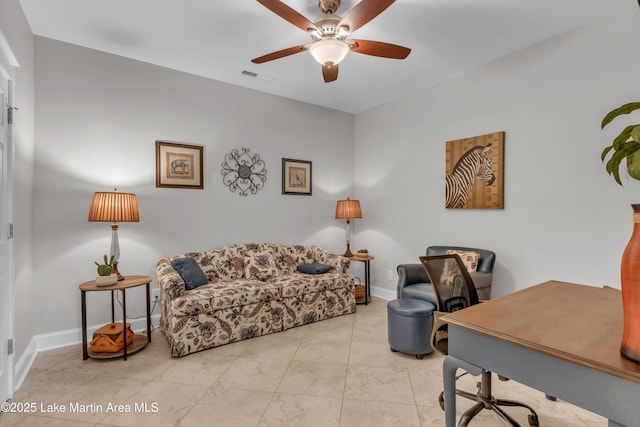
pixel 297 332
pixel 157 404
pixel 147 368
pixel 273 346
pixel 225 407
pixel 374 354
pixel 201 369
pixel 338 371
pixel 337 328
pixel 254 374
pixel 380 384
pixel 48 384
pixel 15 420
pixel 370 332
pixel 233 349
pixel 90 401
pixel 432 361
pixel 315 379
pixel 48 359
pixel 323 350
pixel 358 413
pixel 287 410
pixel 426 385
pixel 585 415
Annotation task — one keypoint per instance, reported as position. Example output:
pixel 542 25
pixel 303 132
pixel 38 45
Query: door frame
pixel 8 63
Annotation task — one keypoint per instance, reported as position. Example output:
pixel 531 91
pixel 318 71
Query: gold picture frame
pixel 179 165
pixel 296 177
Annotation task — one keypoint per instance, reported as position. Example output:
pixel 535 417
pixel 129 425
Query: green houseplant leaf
pixel 624 109
pixel 625 146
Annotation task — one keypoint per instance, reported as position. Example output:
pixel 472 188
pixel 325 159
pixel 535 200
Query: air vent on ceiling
pixel 249 73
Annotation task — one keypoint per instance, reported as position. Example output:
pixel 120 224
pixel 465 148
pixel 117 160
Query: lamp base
pixel 116 272
pixel 347 253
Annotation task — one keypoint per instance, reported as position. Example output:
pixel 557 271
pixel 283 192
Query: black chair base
pixel 484 400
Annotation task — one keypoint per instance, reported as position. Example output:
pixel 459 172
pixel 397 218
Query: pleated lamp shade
pixel 348 209
pixel 114 207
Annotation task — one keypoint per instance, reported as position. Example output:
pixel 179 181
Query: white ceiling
pixel 218 38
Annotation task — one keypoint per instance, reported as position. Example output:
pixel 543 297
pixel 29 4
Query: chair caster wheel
pixel 420 356
pixel 441 400
pixel 533 420
pixel 393 350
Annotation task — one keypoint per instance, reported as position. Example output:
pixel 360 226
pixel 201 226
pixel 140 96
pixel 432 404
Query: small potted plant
pixel 106 276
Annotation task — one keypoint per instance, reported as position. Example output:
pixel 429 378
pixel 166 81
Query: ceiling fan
pixel 330 32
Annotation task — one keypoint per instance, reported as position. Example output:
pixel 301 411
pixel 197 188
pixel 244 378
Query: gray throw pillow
pixel 314 268
pixel 190 272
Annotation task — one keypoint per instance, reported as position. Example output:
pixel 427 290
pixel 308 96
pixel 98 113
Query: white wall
pixel 98 117
pixel 564 217
pixel 15 29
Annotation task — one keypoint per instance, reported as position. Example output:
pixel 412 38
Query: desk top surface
pixel 578 323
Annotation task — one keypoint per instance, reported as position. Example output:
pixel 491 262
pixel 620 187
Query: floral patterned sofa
pixel 251 290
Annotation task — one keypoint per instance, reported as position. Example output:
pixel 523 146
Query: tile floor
pixel 338 372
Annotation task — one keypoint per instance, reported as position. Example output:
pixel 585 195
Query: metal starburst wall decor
pixel 243 171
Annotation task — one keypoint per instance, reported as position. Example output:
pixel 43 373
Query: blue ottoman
pixel 410 322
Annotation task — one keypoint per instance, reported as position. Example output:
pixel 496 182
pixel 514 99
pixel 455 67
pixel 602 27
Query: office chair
pixel 413 281
pixel 455 291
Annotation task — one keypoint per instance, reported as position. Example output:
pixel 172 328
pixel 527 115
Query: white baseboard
pixel 53 340
pixel 24 364
pixel 385 294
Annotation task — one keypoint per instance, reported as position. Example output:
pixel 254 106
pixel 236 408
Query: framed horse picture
pixel 475 172
pixel 178 165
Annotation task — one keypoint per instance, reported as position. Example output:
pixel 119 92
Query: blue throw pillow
pixel 314 268
pixel 190 272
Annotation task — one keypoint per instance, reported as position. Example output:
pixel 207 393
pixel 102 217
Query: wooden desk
pixel 560 338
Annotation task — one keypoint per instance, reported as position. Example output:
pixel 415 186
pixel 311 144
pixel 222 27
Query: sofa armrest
pixel 409 274
pixel 169 280
pixel 339 263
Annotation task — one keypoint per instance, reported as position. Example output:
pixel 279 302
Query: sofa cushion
pixel 227 261
pixel 299 283
pixel 224 294
pixel 190 272
pixel 259 265
pixel 314 268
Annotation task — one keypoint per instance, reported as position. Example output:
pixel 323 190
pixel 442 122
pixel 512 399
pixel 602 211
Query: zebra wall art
pixel 474 166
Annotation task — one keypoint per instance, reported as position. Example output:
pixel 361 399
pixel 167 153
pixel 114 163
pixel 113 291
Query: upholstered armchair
pixel 413 281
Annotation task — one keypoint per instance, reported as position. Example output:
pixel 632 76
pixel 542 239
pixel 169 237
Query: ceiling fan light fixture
pixel 329 52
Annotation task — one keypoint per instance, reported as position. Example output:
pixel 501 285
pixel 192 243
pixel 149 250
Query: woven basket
pixel 359 289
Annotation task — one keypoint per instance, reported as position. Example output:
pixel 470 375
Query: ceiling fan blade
pixel 280 54
pixel 384 50
pixel 289 14
pixel 330 73
pixel 364 12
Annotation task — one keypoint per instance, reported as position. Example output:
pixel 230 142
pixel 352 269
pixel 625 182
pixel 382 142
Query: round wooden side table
pixel 139 340
pixel 366 259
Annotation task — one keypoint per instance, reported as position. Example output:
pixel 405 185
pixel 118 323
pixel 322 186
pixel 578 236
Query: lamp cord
pixel 129 318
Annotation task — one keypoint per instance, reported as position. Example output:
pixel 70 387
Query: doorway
pixel 6 231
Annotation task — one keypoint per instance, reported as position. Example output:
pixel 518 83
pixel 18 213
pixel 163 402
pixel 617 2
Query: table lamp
pixel 348 209
pixel 114 207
